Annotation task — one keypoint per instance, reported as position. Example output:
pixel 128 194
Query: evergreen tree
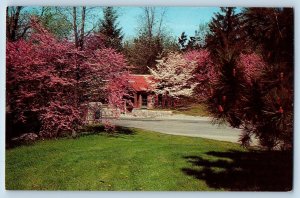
pixel 109 28
pixel 182 40
pixel 224 43
pixel 225 37
pixel 192 44
pixel 201 33
pixel 252 85
pixel 143 52
pixel 271 33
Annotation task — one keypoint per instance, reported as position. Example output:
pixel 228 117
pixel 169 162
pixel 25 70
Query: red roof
pixel 141 82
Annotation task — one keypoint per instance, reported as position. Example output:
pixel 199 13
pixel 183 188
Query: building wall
pixel 103 111
pixel 150 101
pixel 138 98
pixel 135 101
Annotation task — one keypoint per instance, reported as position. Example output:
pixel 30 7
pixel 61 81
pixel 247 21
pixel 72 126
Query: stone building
pixel 142 87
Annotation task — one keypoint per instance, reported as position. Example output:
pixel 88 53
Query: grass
pixel 193 110
pixel 144 161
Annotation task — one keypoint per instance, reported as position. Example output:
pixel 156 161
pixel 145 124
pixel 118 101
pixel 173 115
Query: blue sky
pixel 176 20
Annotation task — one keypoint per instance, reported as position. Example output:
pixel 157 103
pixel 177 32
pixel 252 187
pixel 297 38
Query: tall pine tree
pixel 252 85
pixel 225 43
pixel 271 33
pixel 225 35
pixel 110 30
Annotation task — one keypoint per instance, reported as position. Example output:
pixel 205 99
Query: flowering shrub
pixel 39 80
pixel 53 79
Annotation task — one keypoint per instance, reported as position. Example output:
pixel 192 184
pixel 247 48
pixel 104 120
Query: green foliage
pixel 271 32
pixel 182 40
pixel 195 42
pixel 225 43
pixel 56 21
pixel 109 29
pixel 143 52
pixel 225 38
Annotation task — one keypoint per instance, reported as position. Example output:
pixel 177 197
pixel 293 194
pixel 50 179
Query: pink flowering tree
pixel 40 82
pixel 102 66
pixel 52 80
pixel 203 72
pixel 107 81
pixel 253 66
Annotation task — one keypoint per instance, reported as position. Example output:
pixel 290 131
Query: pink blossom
pixel 252 65
pixel 54 79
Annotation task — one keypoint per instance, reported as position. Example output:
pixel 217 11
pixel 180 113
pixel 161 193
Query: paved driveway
pixel 183 125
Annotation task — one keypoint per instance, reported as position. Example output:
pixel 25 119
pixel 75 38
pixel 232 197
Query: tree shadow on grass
pixel 244 171
pixel 124 130
pixel 100 129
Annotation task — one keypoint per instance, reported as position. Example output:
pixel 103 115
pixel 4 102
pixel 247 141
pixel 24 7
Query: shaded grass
pixel 247 171
pixel 143 160
pixel 193 110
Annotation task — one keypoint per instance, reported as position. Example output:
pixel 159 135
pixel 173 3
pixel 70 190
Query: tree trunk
pixel 75 27
pixel 13 23
pixel 81 40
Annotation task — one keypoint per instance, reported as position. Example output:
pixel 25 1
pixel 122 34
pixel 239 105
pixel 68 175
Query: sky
pixel 176 19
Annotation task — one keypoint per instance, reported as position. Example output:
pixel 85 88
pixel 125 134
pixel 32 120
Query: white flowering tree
pixel 173 75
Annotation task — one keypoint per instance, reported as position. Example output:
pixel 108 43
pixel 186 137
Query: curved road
pixel 183 125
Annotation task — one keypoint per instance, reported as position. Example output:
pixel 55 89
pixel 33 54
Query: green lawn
pixel 144 160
